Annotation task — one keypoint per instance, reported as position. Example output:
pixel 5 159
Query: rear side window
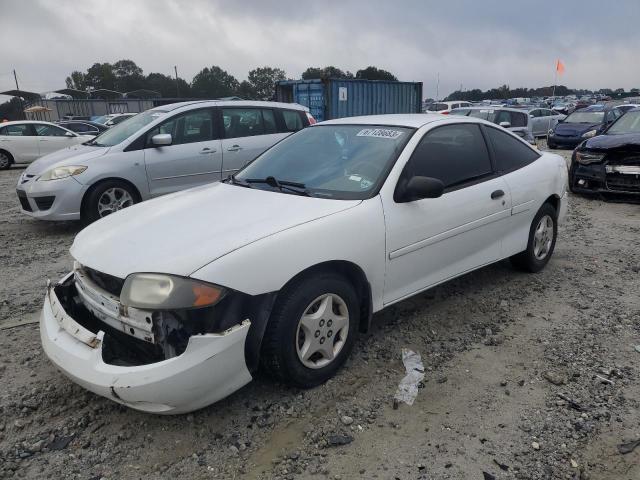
pixel 510 153
pixel 454 154
pixel 242 122
pixel 292 120
pixel 23 130
pixel 269 120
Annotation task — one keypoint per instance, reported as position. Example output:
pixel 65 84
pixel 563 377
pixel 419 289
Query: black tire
pixel 279 347
pixel 527 260
pixel 91 210
pixel 551 145
pixel 5 161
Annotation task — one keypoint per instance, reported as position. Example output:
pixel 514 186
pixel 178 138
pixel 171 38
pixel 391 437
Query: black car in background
pixel 83 127
pixel 581 125
pixel 609 163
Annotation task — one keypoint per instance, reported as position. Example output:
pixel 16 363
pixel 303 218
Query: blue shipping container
pixel 337 98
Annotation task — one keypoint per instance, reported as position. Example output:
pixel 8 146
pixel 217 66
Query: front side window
pixel 515 119
pixel 190 127
pixel 242 122
pixel 454 154
pixel 292 120
pixel 18 130
pixel 331 161
pixel 49 130
pixel 436 107
pixel 510 153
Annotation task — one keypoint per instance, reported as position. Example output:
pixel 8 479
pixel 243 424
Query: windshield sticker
pixel 379 133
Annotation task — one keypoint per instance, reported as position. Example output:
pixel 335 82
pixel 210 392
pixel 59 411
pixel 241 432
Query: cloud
pixel 479 44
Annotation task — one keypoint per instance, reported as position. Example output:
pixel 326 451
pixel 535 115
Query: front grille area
pixel 622 182
pixel 24 203
pixel 44 203
pixel 107 282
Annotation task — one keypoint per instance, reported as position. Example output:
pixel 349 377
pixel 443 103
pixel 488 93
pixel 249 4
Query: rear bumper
pixel 212 367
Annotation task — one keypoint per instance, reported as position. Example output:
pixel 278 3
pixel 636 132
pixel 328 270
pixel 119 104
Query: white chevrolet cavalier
pixel 175 303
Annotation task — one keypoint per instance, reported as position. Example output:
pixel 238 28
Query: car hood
pixel 575 129
pixel 625 141
pixel 76 154
pixel 182 232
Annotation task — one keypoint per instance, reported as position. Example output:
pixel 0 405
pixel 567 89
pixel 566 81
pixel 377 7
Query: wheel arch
pixel 554 201
pixel 9 154
pixel 87 193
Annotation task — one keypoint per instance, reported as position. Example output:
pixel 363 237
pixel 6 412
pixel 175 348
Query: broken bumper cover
pixel 212 367
pixel 605 178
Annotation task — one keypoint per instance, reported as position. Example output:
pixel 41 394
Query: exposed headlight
pixel 157 291
pixel 589 134
pixel 586 158
pixel 62 172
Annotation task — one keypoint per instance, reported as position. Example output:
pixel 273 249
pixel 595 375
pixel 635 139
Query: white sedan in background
pixel 25 141
pixel 173 303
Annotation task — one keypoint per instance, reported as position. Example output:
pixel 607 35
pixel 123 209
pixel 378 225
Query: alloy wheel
pixel 543 237
pixel 112 200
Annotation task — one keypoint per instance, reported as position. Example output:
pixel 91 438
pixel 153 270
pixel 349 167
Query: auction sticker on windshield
pixel 379 133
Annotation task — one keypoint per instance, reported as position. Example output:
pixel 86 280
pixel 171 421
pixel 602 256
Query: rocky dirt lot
pixel 526 377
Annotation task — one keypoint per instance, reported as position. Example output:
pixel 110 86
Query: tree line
pixel 504 92
pixel 210 82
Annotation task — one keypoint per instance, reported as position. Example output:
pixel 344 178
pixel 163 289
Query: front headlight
pixel 589 134
pixel 62 172
pixel 585 158
pixel 157 291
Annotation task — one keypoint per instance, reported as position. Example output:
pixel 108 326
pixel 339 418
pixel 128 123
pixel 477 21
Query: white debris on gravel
pixel 408 387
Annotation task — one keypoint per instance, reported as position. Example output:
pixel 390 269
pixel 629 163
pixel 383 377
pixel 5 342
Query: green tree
pixel 374 73
pixel 246 91
pixel 263 81
pixel 213 82
pixel 77 80
pixel 167 86
pixel 324 73
pixel 100 75
pixel 128 76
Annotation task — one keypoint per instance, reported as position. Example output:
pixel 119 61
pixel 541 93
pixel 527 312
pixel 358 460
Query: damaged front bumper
pixel 605 178
pixel 211 367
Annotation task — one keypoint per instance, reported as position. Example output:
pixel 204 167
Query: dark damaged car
pixel 609 163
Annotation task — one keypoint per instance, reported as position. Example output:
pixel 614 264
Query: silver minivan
pixel 162 150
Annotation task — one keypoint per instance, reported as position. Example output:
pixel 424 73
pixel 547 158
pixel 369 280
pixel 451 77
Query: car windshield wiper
pixel 282 185
pixel 234 181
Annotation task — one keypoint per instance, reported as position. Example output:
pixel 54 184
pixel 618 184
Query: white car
pixel 24 141
pixel 172 304
pixel 445 107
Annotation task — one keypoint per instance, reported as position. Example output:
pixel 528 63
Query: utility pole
pixel 22 114
pixel 438 88
pixel 175 68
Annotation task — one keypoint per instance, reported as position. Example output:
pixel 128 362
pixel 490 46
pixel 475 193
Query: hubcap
pixel 322 331
pixel 543 237
pixel 112 200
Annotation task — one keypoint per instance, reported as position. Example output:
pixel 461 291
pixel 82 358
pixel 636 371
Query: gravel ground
pixel 527 377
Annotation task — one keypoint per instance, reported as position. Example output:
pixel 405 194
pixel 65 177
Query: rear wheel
pixel 311 330
pixel 542 241
pixel 5 161
pixel 107 198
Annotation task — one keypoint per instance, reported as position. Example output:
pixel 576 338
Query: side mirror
pixel 69 134
pixel 161 140
pixel 505 124
pixel 418 188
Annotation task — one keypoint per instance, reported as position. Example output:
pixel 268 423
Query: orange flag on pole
pixel 559 67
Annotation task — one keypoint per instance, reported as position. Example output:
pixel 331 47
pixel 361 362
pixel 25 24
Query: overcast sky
pixel 479 44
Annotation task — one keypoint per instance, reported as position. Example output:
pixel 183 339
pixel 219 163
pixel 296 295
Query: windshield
pixel 333 161
pixel 585 117
pixel 434 107
pixel 124 130
pixel 101 119
pixel 628 123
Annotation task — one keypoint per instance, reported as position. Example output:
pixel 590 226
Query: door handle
pixel 206 151
pixel 234 148
pixel 497 194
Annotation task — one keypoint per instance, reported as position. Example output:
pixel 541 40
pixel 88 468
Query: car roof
pixel 15 122
pixel 412 120
pixel 228 103
pixel 496 107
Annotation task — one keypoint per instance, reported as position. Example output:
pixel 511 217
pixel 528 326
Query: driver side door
pixel 435 239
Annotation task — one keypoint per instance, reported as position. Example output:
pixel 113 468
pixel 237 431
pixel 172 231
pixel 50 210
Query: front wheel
pixel 542 241
pixel 5 161
pixel 311 330
pixel 107 198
